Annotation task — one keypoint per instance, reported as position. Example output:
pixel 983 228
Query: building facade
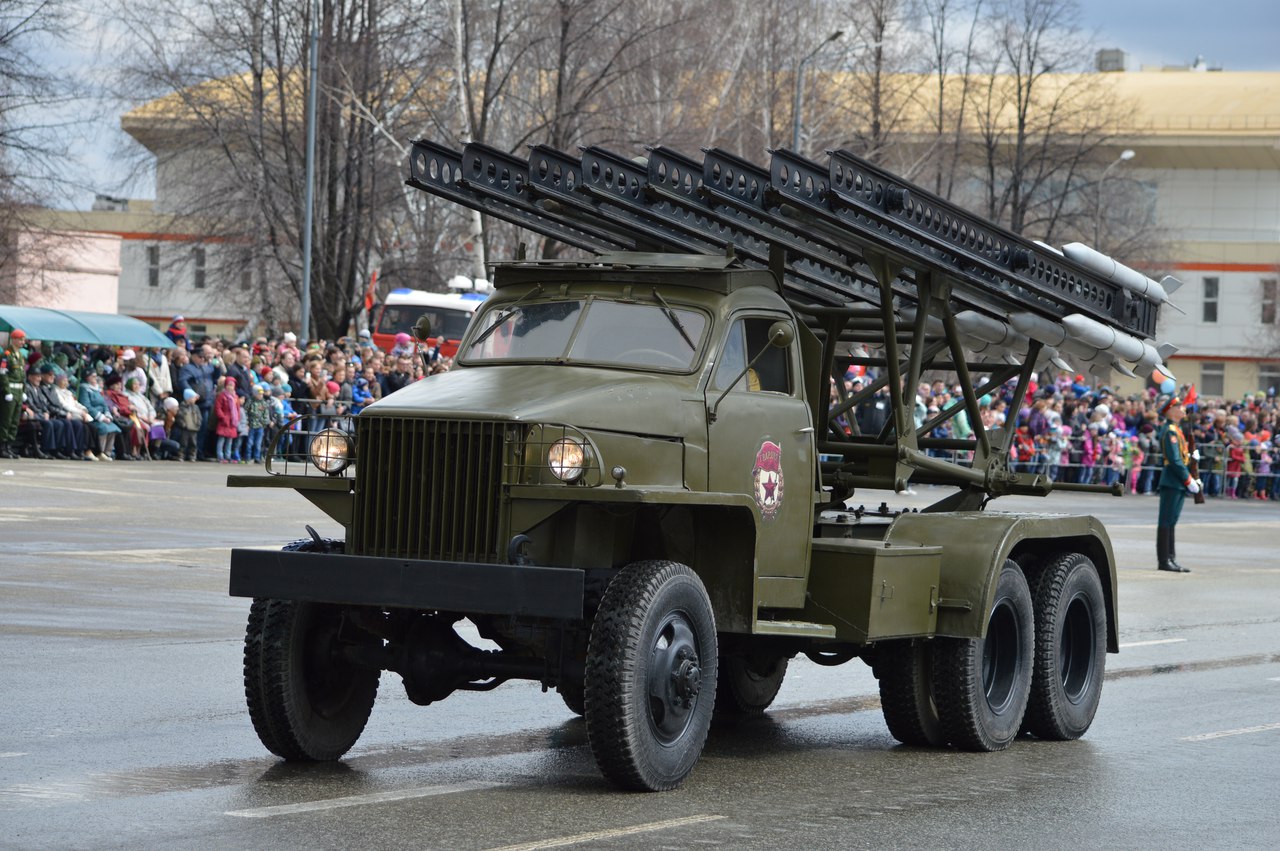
pixel 1207 145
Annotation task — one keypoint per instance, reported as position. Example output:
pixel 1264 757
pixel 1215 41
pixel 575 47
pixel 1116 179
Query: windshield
pixel 591 330
pixel 445 321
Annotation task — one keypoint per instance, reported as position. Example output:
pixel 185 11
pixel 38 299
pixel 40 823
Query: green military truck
pixel 637 479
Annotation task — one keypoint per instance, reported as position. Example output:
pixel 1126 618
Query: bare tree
pixel 33 103
pixel 231 77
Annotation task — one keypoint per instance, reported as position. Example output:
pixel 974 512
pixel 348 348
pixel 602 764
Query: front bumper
pixel 463 587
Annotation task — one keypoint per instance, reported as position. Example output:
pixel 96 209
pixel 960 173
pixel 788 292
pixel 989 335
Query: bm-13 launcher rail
pixel 863 255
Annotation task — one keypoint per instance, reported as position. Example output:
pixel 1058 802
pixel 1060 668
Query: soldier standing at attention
pixel 13 376
pixel 1176 482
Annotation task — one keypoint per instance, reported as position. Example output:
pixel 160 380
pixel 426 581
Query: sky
pixel 1237 35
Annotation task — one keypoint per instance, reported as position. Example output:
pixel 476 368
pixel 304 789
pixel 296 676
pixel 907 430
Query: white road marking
pixel 1204 737
pixel 1273 679
pixel 359 800
pixel 1153 642
pixel 11 754
pixel 608 834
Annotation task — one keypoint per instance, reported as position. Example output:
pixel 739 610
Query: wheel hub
pixel 675 678
pixel 687 676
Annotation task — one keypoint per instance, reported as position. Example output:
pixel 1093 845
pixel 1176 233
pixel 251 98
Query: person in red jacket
pixel 226 408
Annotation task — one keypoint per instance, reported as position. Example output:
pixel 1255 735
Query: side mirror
pixel 422 329
pixel 781 334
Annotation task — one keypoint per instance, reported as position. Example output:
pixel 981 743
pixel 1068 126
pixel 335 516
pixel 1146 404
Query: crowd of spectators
pixel 215 400
pixel 200 400
pixel 1073 431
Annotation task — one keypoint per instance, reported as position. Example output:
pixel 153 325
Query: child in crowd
pixel 1263 472
pixel 1235 463
pixel 226 408
pixel 1133 458
pixel 188 424
pixel 257 417
pixel 1055 445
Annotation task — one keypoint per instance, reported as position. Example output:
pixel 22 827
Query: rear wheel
pixel 306 699
pixel 981 686
pixel 747 685
pixel 1071 649
pixel 651 676
pixel 905 671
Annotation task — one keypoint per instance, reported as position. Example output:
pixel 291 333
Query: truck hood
pixel 663 405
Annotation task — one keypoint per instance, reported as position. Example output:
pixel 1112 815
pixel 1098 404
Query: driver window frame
pixel 737 328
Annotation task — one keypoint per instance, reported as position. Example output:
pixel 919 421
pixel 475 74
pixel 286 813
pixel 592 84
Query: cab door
pixel 762 444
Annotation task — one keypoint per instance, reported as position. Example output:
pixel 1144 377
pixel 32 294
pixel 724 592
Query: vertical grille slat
pixel 428 489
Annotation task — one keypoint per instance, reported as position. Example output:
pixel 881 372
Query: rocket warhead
pixel 1102 337
pixel 1116 272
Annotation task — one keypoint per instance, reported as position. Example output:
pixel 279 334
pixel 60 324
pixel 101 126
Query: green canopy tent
pixel 79 326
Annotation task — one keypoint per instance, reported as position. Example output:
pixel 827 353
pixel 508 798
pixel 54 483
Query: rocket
pixel 1118 273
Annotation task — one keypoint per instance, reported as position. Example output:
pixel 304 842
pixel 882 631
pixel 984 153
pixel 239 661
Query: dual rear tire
pixel 1039 670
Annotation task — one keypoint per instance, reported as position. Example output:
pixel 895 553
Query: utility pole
pixel 310 197
pixel 1125 156
pixel 797 101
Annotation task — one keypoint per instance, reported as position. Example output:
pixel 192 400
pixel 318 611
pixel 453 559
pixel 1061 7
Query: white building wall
pixel 1219 205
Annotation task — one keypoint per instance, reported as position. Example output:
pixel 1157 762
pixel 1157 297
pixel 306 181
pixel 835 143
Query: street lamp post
pixel 1125 156
pixel 799 94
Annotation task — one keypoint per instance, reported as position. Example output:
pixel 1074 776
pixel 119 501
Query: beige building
pixel 1207 145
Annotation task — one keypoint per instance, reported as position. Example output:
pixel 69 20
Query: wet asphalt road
pixel 122 721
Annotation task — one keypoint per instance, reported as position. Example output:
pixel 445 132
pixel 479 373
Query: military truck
pixel 637 482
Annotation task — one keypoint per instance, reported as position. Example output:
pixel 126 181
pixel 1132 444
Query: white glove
pixel 1193 486
pixel 1195 454
pixel 8 397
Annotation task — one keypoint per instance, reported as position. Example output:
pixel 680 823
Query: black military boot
pixel 6 451
pixel 1164 538
pixel 1173 552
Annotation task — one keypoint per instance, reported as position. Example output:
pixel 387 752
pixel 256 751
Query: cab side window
pixel 748 338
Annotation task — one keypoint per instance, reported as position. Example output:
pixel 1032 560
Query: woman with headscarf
pixel 95 403
pixel 132 436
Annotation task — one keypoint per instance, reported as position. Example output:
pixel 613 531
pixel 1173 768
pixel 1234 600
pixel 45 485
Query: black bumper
pixel 465 587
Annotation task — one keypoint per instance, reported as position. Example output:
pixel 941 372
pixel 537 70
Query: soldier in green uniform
pixel 13 375
pixel 1176 482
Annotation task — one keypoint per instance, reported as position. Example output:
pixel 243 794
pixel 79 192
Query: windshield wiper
pixel 506 314
pixel 675 320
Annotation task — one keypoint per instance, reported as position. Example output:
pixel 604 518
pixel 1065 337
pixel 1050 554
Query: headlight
pixel 568 459
pixel 331 451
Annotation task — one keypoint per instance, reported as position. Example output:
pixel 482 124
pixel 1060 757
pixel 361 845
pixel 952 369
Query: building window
pixel 1213 376
pixel 153 265
pixel 1210 300
pixel 1269 377
pixel 1268 301
pixel 198 255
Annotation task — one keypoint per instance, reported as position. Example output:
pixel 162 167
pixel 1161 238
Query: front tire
pixel 1071 649
pixel 981 686
pixel 306 700
pixel 651 676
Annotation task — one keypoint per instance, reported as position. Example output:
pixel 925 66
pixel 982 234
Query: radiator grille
pixel 427 489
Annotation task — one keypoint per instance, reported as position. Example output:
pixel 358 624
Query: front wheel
pixel 1071 649
pixel 651 676
pixel 981 686
pixel 306 699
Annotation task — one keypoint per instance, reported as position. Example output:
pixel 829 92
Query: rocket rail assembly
pixel 865 258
